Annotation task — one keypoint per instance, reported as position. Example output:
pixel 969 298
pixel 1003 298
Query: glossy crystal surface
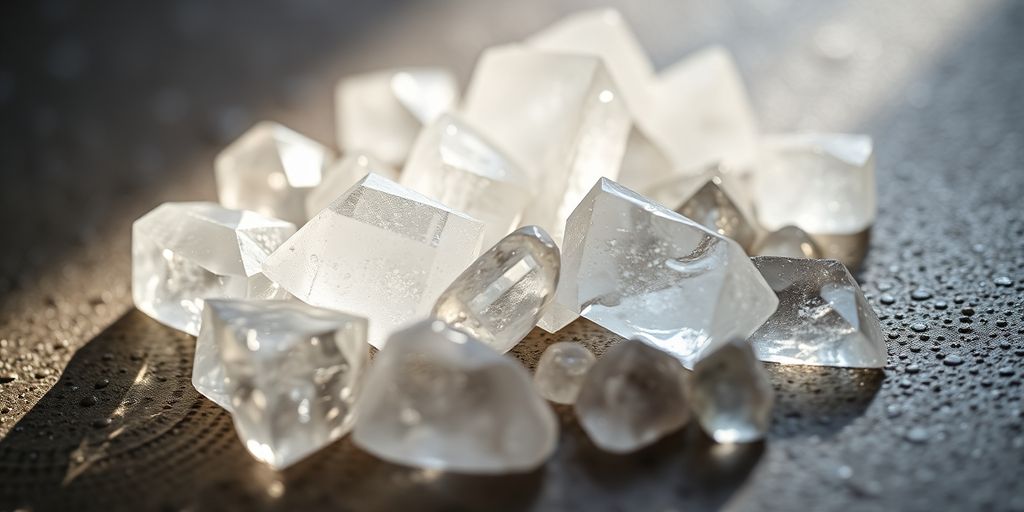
pixel 731 395
pixel 561 370
pixel 788 242
pixel 341 176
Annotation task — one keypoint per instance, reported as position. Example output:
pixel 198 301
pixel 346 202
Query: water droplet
pixel 88 401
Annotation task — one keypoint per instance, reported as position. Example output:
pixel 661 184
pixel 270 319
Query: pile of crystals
pixel 597 187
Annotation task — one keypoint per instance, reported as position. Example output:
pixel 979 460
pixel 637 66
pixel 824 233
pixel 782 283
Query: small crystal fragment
pixel 823 318
pixel 341 176
pixel 437 398
pixel 379 250
pixel 270 169
pixel 183 253
pixel 634 395
pixel 500 297
pixel 711 207
pixel 289 373
pixel 561 370
pixel 788 242
pixel 731 395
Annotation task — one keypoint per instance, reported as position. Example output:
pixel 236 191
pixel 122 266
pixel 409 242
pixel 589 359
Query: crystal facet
pixel 561 370
pixel 788 242
pixel 340 177
pixel 381 251
pixel 634 395
pixel 731 395
pixel 270 170
pixel 711 207
pixel 823 318
pixel 500 297
pixel 437 398
pixel 183 253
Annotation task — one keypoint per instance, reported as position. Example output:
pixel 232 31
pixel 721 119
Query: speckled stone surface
pixel 106 111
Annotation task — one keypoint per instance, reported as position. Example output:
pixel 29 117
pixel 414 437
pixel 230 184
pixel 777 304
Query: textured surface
pixel 112 109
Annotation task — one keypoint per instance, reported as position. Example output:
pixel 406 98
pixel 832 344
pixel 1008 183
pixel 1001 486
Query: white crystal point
pixel 823 318
pixel 643 271
pixel 561 370
pixel 382 112
pixel 381 251
pixel 437 398
pixel 645 164
pixel 289 373
pixel 559 115
pixel 340 177
pixel 455 165
pixel 183 253
pixel 788 242
pixel 634 395
pixel 712 207
pixel 731 395
pixel 270 169
pixel 500 297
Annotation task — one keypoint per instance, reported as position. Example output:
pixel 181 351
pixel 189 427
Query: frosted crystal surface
pixel 731 395
pixel 561 370
pixel 788 242
pixel 711 207
pixel 341 176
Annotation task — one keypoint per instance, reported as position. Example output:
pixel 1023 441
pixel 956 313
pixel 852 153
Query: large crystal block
pixel 289 373
pixel 381 251
pixel 559 115
pixel 731 395
pixel 634 395
pixel 341 176
pixel 643 271
pixel 437 398
pixel 561 370
pixel 455 165
pixel 270 170
pixel 500 297
pixel 788 242
pixel 381 112
pixel 183 253
pixel 823 318
pixel 711 207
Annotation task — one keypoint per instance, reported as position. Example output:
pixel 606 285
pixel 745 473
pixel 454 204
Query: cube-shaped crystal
pixel 340 177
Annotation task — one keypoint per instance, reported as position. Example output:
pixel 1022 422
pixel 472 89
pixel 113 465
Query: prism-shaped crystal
pixel 643 271
pixel 437 398
pixel 381 251
pixel 561 370
pixel 500 297
pixel 270 170
pixel 455 165
pixel 711 207
pixel 340 177
pixel 731 395
pixel 559 115
pixel 382 112
pixel 183 253
pixel 823 318
pixel 788 242
pixel 634 395
pixel 289 373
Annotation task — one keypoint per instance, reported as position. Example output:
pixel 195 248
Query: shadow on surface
pixel 819 400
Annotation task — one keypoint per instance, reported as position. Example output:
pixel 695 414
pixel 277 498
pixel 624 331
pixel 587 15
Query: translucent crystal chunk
pixel 823 318
pixel 381 251
pixel 711 207
pixel 341 176
pixel 438 398
pixel 731 395
pixel 645 163
pixel 270 170
pixel 561 370
pixel 634 395
pixel 183 253
pixel 455 165
pixel 788 242
pixel 500 297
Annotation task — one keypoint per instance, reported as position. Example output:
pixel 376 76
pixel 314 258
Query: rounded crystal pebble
pixel 731 395
pixel 788 242
pixel 561 371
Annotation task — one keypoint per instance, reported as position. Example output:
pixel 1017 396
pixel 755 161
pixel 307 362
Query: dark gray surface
pixel 107 110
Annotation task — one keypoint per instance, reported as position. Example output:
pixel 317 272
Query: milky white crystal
pixel 730 394
pixel 183 253
pixel 561 370
pixel 340 177
pixel 437 398
pixel 788 242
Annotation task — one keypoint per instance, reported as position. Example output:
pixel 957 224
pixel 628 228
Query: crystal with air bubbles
pixel 731 395
pixel 561 370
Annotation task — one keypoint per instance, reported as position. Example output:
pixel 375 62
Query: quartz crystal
pixel 455 165
pixel 382 112
pixel 561 370
pixel 289 373
pixel 183 253
pixel 500 297
pixel 634 395
pixel 643 271
pixel 270 170
pixel 823 318
pixel 711 207
pixel 645 163
pixel 379 250
pixel 340 177
pixel 788 242
pixel 437 398
pixel 731 395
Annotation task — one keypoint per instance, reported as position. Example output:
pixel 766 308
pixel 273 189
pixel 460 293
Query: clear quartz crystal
pixel 289 373
pixel 823 318
pixel 731 395
pixel 788 242
pixel 712 207
pixel 455 165
pixel 381 251
pixel 561 370
pixel 500 297
pixel 183 253
pixel 270 169
pixel 437 398
pixel 634 395
pixel 340 177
